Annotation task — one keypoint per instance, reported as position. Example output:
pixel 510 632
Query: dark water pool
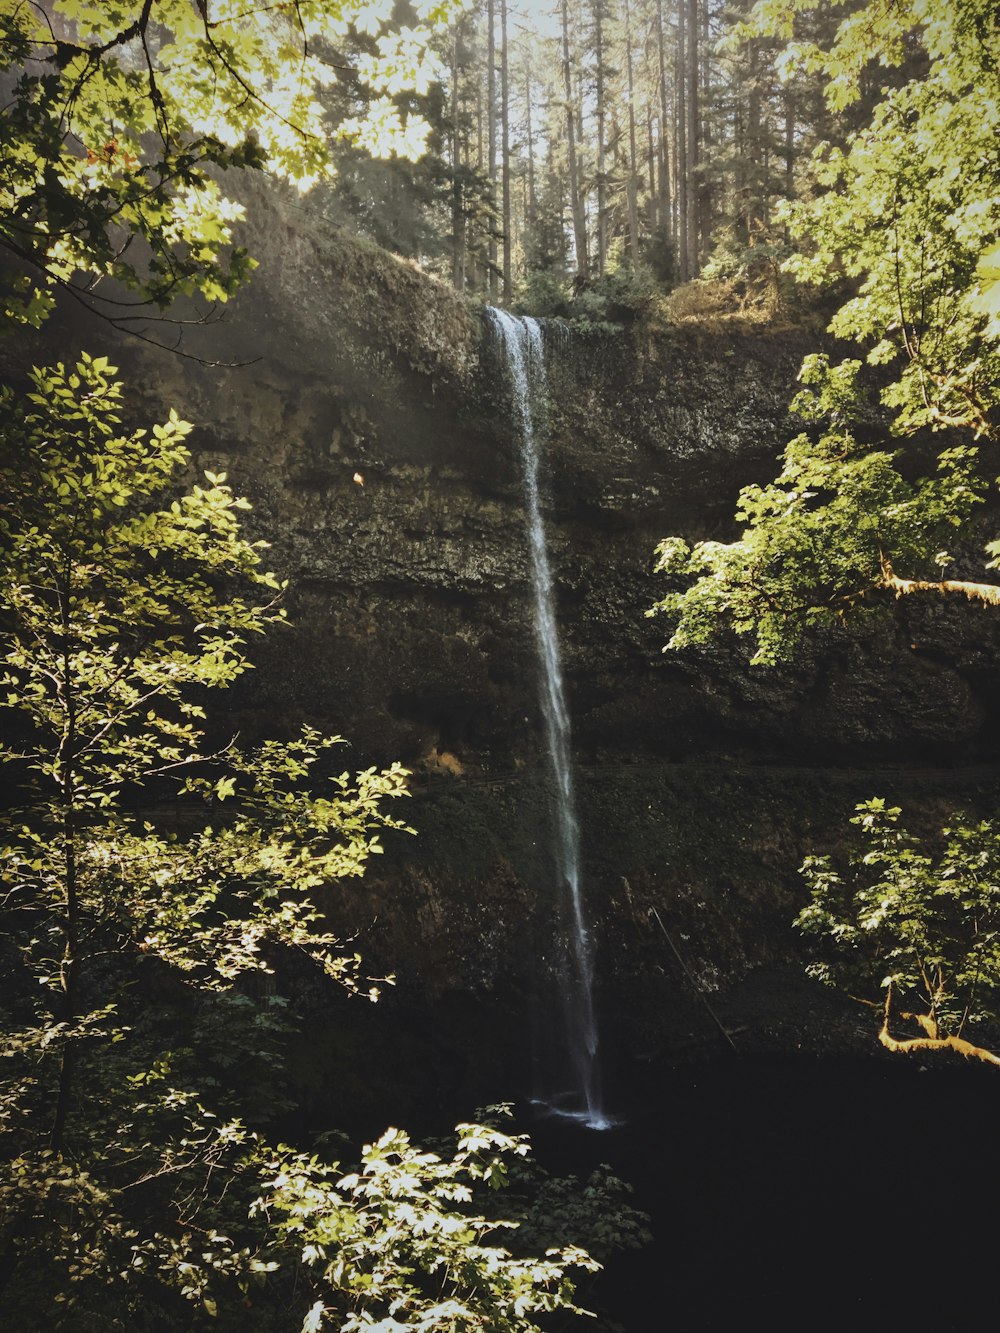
pixel 803 1194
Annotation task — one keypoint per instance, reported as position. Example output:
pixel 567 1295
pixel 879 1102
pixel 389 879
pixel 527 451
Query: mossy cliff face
pixel 371 431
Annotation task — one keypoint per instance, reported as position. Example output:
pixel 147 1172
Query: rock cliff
pixel 370 428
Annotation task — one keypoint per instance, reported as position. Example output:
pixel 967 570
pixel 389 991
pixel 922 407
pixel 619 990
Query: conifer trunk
pixel 531 205
pixel 632 188
pixel 693 138
pixel 458 239
pixel 681 156
pixel 575 196
pixel 602 168
pixel 508 287
pixel 491 134
pixel 663 143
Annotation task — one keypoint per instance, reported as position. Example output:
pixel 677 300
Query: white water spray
pixel 522 343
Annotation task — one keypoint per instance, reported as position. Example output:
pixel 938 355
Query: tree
pixel 393 1238
pixel 823 540
pixel 505 210
pixel 576 195
pixel 666 199
pixel 491 136
pixel 922 930
pixel 115 617
pixel 910 206
pixel 458 218
pixel 909 214
pixel 125 1191
pixel 601 115
pixel 129 1163
pixel 632 183
pixel 692 132
pixel 473 214
pixel 124 116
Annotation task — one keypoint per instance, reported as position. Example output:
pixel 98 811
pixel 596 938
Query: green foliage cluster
pixel 408 205
pixel 622 295
pixel 908 930
pixel 752 275
pixel 910 214
pixel 142 1052
pixel 113 614
pixel 596 1213
pixel 821 538
pixel 124 118
pixel 396 1244
pixel 138 1187
pixel 907 214
pixel 909 209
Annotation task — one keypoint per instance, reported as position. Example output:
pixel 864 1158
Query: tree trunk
pixel 789 149
pixel 651 165
pixel 632 187
pixel 69 965
pixel 753 145
pixel 681 155
pixel 664 141
pixel 602 179
pixel 508 287
pixel 705 140
pixel 693 138
pixel 491 134
pixel 457 199
pixel 576 198
pixel 69 975
pixel 531 202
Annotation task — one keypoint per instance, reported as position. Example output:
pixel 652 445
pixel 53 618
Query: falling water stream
pixel 521 340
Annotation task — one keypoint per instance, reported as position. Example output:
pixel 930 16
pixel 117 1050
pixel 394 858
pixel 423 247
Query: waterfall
pixel 521 340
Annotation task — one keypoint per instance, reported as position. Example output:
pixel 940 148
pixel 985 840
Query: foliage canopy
pixel 144 1066
pixel 909 214
pixel 130 1168
pixel 409 1244
pixel 922 929
pixel 125 117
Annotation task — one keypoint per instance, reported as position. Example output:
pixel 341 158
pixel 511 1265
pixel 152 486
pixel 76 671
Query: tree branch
pixel 987 593
pixel 932 1041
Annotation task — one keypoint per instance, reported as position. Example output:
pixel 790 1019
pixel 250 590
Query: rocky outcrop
pixel 369 425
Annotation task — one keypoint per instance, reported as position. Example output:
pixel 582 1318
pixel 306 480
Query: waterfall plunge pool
pixel 799 1193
